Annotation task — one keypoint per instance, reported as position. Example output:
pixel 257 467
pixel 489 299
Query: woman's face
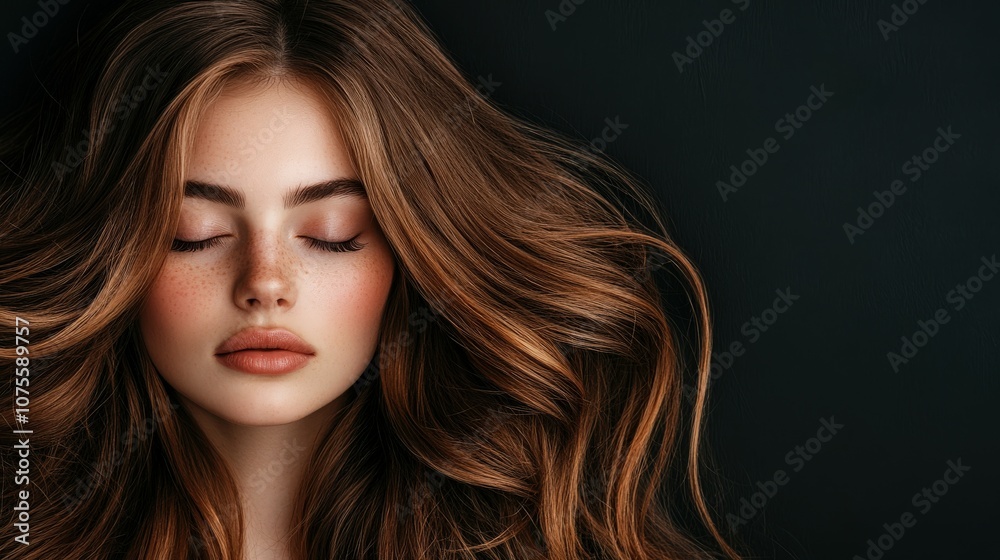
pixel 263 268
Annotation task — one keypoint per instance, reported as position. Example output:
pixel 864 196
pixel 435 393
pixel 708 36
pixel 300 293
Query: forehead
pixel 274 134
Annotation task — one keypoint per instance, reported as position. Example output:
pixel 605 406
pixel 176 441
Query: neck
pixel 268 463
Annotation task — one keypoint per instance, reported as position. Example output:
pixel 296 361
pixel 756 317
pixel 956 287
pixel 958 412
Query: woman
pixel 297 290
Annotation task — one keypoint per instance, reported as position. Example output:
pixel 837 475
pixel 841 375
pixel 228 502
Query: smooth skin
pixel 263 141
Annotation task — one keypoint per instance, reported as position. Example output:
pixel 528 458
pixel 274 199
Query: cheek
pixel 354 302
pixel 177 301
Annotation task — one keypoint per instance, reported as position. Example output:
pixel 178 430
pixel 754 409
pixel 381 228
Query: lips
pixel 264 351
pixel 264 339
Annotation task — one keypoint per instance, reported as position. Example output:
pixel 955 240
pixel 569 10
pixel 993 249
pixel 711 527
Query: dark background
pixel 825 355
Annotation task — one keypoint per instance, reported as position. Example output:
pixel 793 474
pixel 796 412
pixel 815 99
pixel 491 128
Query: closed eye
pixel 185 246
pixel 351 244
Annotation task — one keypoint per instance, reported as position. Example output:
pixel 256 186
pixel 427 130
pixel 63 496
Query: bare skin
pixel 268 463
pixel 264 269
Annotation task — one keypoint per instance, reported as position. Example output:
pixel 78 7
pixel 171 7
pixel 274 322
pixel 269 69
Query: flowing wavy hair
pixel 525 400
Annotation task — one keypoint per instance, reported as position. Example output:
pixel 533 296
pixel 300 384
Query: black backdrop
pixel 849 251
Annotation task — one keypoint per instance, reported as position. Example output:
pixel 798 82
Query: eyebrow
pixel 301 195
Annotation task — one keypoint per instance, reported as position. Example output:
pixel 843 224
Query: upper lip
pixel 258 338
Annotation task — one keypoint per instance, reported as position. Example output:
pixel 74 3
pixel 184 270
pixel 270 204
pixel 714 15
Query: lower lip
pixel 266 362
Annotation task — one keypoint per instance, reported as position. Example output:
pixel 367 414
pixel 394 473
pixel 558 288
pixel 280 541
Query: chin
pixel 266 409
pixel 263 417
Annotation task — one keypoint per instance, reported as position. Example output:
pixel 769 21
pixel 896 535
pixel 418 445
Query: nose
pixel 266 275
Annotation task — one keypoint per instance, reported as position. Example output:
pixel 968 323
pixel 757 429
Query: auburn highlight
pixel 527 399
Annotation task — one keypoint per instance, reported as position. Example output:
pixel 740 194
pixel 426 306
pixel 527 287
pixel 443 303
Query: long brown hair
pixel 526 397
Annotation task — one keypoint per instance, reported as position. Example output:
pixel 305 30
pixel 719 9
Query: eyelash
pixel 336 246
pixel 333 246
